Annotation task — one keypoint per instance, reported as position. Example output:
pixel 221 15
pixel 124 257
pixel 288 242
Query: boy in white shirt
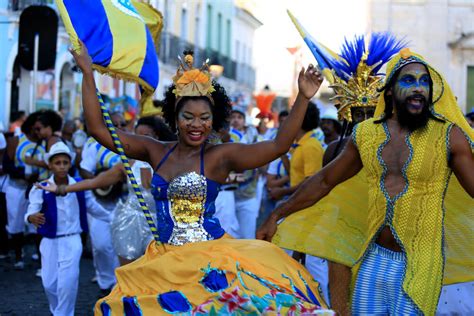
pixel 60 218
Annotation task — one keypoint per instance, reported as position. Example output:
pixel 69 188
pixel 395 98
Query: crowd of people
pixel 213 179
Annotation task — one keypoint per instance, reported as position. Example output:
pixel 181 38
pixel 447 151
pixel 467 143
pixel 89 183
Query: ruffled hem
pixel 220 277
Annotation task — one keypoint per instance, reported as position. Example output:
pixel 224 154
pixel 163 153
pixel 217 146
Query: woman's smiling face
pixel 194 122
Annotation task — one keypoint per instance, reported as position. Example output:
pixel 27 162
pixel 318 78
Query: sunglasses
pixel 123 124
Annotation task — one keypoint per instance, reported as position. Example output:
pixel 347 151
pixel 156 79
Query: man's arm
pixel 462 160
pixel 35 162
pixel 277 193
pixel 274 182
pixel 314 188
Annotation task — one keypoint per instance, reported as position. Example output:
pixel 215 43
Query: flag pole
pixel 128 169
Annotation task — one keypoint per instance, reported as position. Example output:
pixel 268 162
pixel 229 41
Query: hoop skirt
pixel 219 277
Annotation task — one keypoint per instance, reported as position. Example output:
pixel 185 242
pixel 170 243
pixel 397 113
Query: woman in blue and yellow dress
pixel 197 268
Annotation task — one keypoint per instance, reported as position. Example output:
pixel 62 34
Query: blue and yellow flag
pixel 325 57
pixel 116 37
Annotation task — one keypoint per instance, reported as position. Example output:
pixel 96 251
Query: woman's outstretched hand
pixel 83 60
pixel 309 81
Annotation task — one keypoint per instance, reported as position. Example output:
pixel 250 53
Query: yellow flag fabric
pixel 116 37
pixel 334 228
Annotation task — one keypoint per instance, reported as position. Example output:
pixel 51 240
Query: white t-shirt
pixel 277 168
pixel 89 157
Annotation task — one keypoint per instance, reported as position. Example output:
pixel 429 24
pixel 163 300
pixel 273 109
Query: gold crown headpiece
pixel 190 81
pixel 356 78
pixel 360 90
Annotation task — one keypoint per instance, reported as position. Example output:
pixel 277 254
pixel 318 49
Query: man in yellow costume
pixel 418 138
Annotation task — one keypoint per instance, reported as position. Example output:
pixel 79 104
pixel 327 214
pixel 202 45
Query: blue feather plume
pixel 381 48
pixel 352 52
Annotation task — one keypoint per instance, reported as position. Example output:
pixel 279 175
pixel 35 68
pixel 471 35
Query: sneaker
pixel 19 265
pixel 94 279
pixel 35 257
pixel 38 273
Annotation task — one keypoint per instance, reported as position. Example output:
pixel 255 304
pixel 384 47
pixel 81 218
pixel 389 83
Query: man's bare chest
pixel 395 154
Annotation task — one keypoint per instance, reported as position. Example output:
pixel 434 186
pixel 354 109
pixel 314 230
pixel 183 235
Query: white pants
pixel 247 213
pixel 319 270
pixel 225 212
pixel 318 267
pixel 260 189
pixel 17 205
pixel 4 179
pixel 60 272
pixel 456 299
pixel 105 258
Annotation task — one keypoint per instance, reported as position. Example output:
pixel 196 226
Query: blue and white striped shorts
pixel 379 284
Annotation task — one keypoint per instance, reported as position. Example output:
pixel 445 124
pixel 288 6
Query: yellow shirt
pixel 306 159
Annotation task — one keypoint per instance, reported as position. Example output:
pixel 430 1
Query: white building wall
pixel 197 33
pixel 430 26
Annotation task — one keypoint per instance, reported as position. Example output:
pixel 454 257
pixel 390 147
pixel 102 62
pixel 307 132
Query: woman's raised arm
pixel 242 156
pixel 137 147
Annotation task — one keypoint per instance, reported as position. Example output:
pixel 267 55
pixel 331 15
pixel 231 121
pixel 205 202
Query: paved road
pixel 21 292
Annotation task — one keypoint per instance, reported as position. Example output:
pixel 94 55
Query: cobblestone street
pixel 22 292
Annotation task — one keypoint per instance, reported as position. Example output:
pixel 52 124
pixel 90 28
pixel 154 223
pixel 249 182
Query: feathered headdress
pixel 357 80
pixel 190 81
pixel 354 73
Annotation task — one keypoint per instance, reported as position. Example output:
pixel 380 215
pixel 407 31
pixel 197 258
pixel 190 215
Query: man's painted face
pixel 411 96
pixel 412 87
pixel 360 114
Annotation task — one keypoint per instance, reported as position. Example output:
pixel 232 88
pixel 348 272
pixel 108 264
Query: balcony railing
pixel 171 46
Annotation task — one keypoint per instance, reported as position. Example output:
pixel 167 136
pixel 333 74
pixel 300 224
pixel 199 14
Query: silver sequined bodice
pixel 187 197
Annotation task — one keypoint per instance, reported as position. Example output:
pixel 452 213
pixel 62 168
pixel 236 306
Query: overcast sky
pixel 327 21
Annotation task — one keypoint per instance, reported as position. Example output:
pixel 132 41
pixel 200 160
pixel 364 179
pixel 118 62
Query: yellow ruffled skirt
pixel 220 277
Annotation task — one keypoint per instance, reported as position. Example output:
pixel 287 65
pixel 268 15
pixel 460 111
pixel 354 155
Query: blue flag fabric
pixel 116 37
